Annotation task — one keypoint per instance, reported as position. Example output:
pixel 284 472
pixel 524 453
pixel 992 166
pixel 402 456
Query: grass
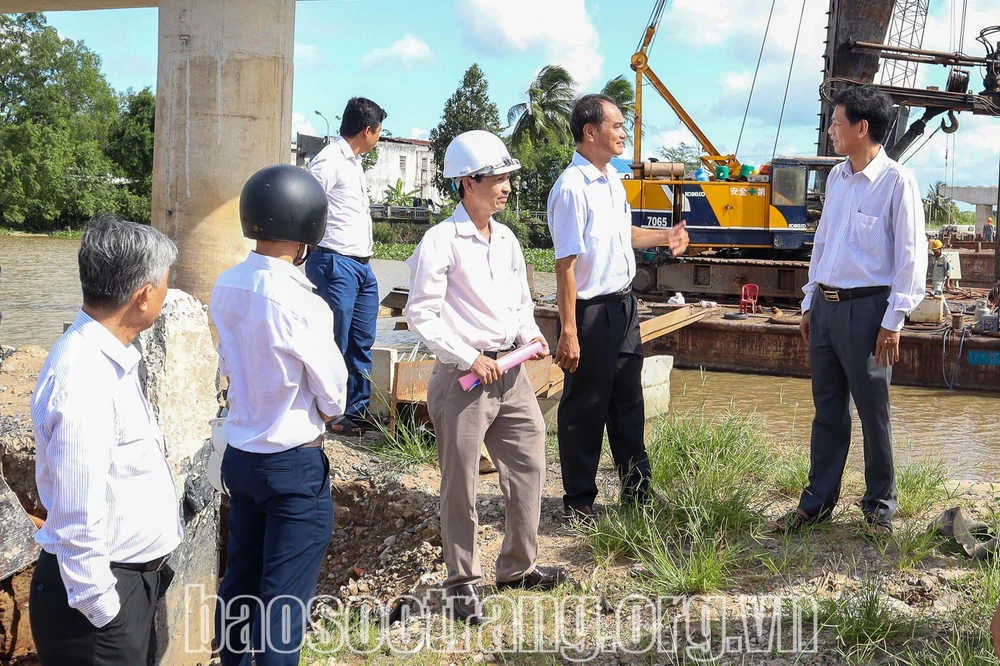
pixel 864 618
pixel 920 486
pixel 791 472
pixel 410 445
pixel 396 251
pixel 544 260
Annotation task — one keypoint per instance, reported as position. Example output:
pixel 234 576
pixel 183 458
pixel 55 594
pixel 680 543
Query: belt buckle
pixel 831 295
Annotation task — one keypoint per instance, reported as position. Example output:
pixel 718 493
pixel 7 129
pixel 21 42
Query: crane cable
pixel 756 71
pixel 917 149
pixel 788 82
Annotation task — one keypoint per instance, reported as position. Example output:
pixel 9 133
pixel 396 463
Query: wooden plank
pixel 539 372
pixel 669 322
pixel 648 330
pixel 410 381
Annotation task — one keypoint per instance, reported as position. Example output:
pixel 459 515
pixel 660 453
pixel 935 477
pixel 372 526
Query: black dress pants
pixel 605 390
pixel 64 637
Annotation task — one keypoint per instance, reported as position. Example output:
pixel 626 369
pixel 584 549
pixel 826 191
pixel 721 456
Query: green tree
pixel 469 108
pixel 541 165
pixel 682 152
pixel 56 109
pixel 622 91
pixel 546 114
pixel 130 147
pixel 938 210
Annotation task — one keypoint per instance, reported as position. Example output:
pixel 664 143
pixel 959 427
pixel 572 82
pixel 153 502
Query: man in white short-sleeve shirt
pixel 599 347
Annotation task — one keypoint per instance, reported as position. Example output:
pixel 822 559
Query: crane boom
pixel 640 65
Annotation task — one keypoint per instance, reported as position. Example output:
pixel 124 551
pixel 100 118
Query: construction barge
pixel 768 344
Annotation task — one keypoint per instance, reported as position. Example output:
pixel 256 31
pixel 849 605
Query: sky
pixel 409 56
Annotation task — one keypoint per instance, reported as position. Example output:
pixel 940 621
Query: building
pixel 406 160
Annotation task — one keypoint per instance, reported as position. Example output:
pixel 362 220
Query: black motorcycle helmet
pixel 283 203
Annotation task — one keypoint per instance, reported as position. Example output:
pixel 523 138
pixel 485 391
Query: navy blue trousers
pixel 280 523
pixel 350 289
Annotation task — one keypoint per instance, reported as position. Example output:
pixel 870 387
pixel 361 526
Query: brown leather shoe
pixel 540 578
pixel 464 604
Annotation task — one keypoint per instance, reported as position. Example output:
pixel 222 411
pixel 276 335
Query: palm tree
pixel 936 207
pixel 621 90
pixel 546 114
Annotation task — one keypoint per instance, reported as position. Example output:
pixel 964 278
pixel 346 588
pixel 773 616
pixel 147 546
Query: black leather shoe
pixel 463 601
pixel 584 515
pixel 540 578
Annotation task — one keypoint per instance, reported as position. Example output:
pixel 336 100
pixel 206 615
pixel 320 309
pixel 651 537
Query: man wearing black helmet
pixel 286 379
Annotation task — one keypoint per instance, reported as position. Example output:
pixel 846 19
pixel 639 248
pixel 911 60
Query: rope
pixel 756 71
pixel 917 149
pixel 788 82
pixel 961 35
pixel 944 356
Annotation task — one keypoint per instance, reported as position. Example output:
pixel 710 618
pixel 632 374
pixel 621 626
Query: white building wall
pixel 409 161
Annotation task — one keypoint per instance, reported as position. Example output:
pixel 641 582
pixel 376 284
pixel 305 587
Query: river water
pixel 40 289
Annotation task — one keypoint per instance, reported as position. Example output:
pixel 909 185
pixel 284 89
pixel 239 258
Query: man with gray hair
pixel 101 466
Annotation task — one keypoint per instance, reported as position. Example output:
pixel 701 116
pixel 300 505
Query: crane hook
pixel 951 126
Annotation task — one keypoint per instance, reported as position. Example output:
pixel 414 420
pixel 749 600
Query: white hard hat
pixel 477 153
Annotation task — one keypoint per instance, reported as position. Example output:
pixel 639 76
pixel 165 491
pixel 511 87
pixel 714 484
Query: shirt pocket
pixel 868 232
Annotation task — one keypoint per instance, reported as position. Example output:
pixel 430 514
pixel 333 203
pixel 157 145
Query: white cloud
pixel 418 133
pixel 302 125
pixel 561 29
pixel 404 51
pixel 307 54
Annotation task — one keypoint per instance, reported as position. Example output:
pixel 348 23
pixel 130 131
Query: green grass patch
pixel 791 472
pixel 72 233
pixel 543 259
pixel 920 486
pixel 863 621
pixel 396 251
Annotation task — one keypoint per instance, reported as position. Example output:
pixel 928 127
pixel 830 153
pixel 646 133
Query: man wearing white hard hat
pixel 469 302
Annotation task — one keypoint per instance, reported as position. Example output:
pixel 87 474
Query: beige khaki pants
pixel 506 417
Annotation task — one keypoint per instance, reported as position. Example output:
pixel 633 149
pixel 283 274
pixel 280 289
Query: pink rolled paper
pixel 516 357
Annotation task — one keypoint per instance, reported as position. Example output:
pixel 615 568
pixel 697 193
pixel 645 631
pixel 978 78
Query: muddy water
pixel 40 289
pixel 958 428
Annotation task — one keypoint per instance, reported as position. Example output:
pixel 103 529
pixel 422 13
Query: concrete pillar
pixel 223 110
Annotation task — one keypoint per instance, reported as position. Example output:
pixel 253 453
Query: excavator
pixel 747 227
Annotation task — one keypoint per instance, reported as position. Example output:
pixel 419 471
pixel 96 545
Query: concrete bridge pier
pixel 223 110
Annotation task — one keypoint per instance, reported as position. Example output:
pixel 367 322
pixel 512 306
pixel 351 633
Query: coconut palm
pixel 545 116
pixel 622 91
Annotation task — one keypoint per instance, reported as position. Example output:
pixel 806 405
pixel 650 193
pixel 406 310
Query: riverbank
pixel 66 233
pixel 704 550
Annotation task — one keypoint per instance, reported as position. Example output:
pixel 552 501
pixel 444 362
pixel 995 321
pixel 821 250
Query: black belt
pixel 496 354
pixel 143 567
pixel 835 295
pixel 617 297
pixel 360 260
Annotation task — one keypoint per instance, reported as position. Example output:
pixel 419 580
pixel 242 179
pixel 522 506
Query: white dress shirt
pixel 276 345
pixel 100 467
pixel 589 217
pixel 469 294
pixel 871 234
pixel 348 219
